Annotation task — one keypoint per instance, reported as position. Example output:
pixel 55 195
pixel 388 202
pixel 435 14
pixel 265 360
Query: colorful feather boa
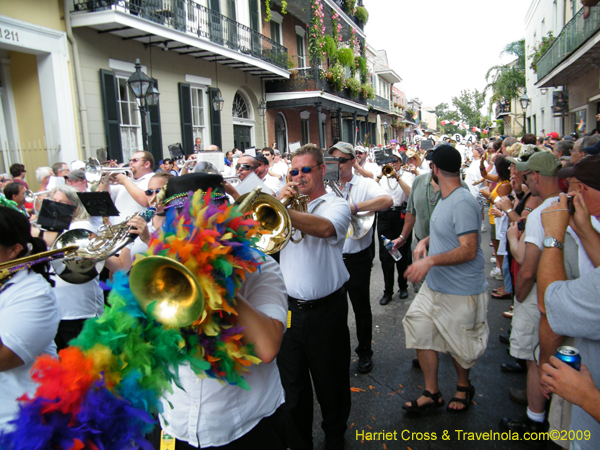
pixel 104 388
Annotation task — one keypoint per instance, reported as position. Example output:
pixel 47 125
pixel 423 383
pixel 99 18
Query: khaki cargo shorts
pixel 525 333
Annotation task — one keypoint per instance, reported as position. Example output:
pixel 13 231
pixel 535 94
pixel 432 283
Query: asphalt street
pixel 377 397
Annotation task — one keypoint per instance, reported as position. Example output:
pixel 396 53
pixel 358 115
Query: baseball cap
pixel 585 171
pixel 261 159
pixel 277 152
pixel 343 147
pixel 446 157
pixel 360 148
pixel 526 151
pixel 397 154
pixel 592 149
pixel 569 138
pixel 553 135
pixel 544 163
pixel 76 175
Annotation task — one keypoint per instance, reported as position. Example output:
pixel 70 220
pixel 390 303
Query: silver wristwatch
pixel 550 242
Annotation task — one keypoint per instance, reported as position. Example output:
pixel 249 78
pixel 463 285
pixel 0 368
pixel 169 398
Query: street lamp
pixel 524 100
pixel 262 108
pixel 146 94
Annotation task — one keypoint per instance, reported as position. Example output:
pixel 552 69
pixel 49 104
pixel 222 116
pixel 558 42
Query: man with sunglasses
pixel 129 194
pixel 245 165
pixel 361 166
pixel 316 346
pixel 272 179
pixel 363 194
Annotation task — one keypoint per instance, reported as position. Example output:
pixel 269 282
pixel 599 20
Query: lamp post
pixel 262 108
pixel 524 100
pixel 146 94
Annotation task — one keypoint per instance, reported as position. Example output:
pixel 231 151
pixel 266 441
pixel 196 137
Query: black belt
pixel 311 304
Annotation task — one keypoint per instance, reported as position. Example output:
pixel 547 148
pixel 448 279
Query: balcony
pixel 309 80
pixel 502 109
pixel 570 50
pixel 185 27
pixel 379 103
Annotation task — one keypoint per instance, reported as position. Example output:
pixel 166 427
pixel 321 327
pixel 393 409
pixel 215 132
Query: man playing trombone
pixel 128 194
pixel 316 344
pixel 362 194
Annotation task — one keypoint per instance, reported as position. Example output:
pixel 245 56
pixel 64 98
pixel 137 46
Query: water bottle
pixel 389 246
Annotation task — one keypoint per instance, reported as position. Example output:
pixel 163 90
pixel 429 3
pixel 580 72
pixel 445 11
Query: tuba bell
pixel 360 223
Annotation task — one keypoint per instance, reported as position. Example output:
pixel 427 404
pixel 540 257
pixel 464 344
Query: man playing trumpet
pixel 316 345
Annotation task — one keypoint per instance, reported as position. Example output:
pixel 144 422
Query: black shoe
pixel 505 339
pixel 403 293
pixel 523 425
pixel 513 367
pixel 385 299
pixel 365 364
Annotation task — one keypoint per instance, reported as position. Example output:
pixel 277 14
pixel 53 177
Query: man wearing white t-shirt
pixel 128 195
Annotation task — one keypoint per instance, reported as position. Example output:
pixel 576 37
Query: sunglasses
pixel 246 167
pixel 305 169
pixel 134 160
pixel 150 192
pixel 358 152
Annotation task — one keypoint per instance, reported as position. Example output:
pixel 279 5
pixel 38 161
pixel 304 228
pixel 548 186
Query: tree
pixel 507 80
pixel 468 106
pixel 444 113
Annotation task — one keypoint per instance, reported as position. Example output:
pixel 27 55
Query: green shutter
pixel 155 139
pixel 112 122
pixel 185 114
pixel 215 120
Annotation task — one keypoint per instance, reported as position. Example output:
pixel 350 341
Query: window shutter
pixel 185 113
pixel 112 122
pixel 215 120
pixel 155 139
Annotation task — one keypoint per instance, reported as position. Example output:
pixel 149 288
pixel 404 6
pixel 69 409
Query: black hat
pixel 261 159
pixel 178 187
pixel 586 171
pixel 446 157
pixel 593 149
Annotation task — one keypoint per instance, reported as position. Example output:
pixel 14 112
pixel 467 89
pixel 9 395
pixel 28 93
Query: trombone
pixel 94 172
pixel 30 196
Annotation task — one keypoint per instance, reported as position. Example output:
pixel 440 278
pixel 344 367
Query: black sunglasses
pixel 305 169
pixel 149 192
pixel 134 160
pixel 246 167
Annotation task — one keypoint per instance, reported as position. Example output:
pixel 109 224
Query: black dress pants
pixel 316 348
pixel 359 291
pixel 390 225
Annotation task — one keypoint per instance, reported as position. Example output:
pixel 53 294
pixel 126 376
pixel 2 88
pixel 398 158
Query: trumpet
pixel 388 170
pixel 94 172
pixel 190 163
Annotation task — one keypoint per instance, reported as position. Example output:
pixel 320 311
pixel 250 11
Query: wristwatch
pixel 509 211
pixel 550 242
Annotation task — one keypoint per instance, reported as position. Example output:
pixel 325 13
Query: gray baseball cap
pixel 343 147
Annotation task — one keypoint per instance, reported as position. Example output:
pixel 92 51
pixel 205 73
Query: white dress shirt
pixel 315 268
pixel 361 189
pixel 210 413
pixel 28 323
pixel 125 202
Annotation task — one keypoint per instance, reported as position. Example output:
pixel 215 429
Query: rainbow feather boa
pixel 104 388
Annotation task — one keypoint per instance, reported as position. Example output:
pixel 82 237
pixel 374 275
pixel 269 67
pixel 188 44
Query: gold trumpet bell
pixel 178 295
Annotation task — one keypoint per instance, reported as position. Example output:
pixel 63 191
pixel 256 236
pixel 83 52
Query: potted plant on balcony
pixel 338 73
pixel 362 15
pixel 539 49
pixel 349 7
pixel 353 86
pixel 345 57
pixel 367 91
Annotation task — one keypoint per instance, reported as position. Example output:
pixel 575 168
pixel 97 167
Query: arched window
pixel 280 133
pixel 240 107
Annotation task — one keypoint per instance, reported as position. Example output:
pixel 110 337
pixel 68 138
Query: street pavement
pixel 378 396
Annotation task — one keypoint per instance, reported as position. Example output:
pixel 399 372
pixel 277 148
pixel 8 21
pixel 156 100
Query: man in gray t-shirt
pixel 449 313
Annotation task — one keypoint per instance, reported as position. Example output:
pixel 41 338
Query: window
pixel 305 137
pixel 131 133
pixel 276 32
pixel 300 44
pixel 240 108
pixel 198 112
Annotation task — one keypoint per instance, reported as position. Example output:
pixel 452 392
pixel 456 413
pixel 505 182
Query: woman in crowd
pixel 42 174
pixel 28 313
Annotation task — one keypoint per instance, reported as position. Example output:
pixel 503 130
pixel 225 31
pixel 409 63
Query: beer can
pixel 570 356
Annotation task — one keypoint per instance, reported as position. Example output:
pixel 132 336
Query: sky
pixel 441 47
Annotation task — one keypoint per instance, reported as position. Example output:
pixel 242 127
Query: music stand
pixel 98 204
pixel 55 216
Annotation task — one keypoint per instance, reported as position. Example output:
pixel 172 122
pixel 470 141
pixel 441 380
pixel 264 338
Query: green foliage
pixel 268 10
pixel 345 56
pixel 507 81
pixel 338 72
pixel 367 91
pixel 330 48
pixel 362 66
pixel 349 6
pixel 290 62
pixel 539 49
pixel 362 14
pixel 353 85
pixel 468 106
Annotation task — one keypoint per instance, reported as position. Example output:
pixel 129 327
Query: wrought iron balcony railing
pixel 576 32
pixel 189 17
pixel 379 102
pixel 502 109
pixel 309 80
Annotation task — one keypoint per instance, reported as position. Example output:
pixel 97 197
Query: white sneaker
pixel 493 260
pixel 495 272
pixel 483 228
